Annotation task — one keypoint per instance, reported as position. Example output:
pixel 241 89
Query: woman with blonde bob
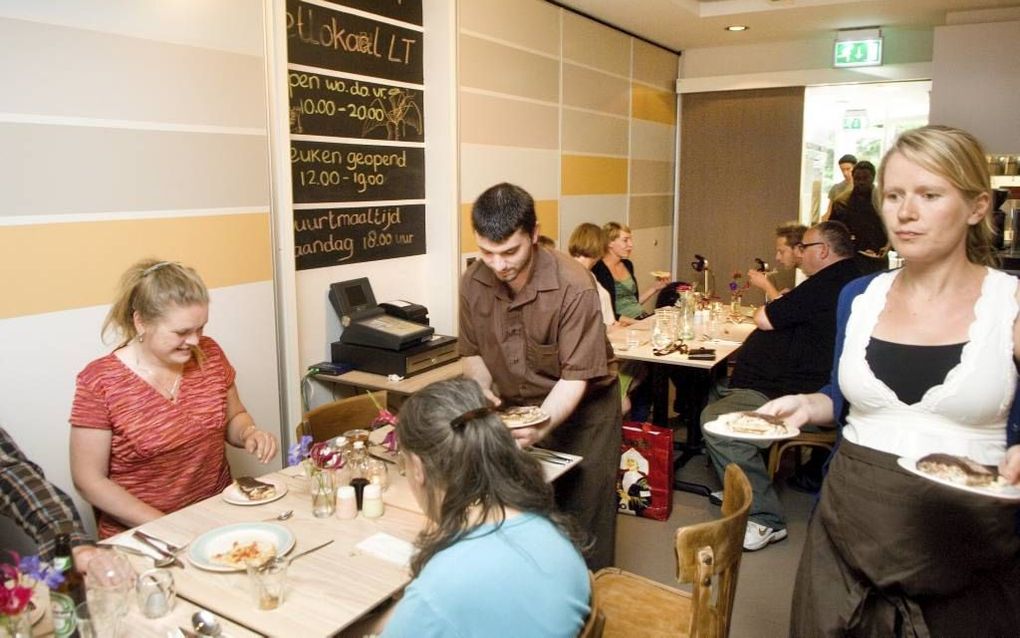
pixel 925 363
pixel 149 420
pixel 497 558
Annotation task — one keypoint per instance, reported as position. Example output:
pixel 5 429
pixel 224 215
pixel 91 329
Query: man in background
pixel 531 333
pixel 788 236
pixel 790 352
pixel 857 210
pixel 846 167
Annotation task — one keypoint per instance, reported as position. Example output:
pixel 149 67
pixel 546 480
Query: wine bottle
pixel 69 593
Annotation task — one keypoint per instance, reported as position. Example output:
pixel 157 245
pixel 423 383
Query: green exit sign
pixel 849 53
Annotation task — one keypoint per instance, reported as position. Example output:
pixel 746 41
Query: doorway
pixel 858 119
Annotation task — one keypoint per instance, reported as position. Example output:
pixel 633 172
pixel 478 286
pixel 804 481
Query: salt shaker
pixel 346 502
pixel 372 503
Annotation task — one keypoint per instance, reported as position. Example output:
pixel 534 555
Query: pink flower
pixel 326 457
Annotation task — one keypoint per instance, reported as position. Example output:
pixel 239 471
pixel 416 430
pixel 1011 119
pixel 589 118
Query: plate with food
pixel 961 473
pixel 229 548
pixel 751 426
pixel 661 274
pixel 246 490
pixel 522 416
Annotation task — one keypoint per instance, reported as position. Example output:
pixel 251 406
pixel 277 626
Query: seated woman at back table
pixel 498 558
pixel 150 419
pixel 616 274
pixel 925 363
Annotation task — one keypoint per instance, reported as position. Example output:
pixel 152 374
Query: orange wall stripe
pixel 593 175
pixel 547 211
pixel 53 267
pixel 652 104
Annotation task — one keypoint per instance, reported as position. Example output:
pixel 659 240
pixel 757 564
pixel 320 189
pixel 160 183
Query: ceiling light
pixel 737 27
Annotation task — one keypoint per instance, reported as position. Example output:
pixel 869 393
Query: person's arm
pixel 801 409
pixel 758 279
pixel 41 509
pixel 90 467
pixel 658 285
pixel 559 404
pixel 242 431
pixel 761 319
pixel 1010 466
pixel 476 370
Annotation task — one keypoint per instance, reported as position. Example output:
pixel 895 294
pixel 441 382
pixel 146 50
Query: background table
pixel 403 388
pixel 326 591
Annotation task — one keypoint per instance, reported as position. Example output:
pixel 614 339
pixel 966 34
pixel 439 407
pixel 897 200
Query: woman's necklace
pixel 169 391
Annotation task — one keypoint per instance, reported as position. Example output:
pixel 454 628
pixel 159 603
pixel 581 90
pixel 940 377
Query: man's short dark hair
pixel 837 236
pixel 501 211
pixel 847 159
pixel 792 232
pixel 865 165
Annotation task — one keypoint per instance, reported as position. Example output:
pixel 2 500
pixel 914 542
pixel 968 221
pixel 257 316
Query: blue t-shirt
pixel 523 579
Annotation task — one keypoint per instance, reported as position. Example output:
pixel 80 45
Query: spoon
pixel 206 623
pixel 282 516
pixel 166 558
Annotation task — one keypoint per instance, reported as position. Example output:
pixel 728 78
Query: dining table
pixel 634 343
pixel 364 566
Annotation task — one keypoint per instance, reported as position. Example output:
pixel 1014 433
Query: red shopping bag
pixel 644 482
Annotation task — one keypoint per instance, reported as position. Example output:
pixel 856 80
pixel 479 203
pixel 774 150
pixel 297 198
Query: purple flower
pixel 299 451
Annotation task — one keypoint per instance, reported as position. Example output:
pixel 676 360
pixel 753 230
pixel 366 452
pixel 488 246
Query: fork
pixel 170 547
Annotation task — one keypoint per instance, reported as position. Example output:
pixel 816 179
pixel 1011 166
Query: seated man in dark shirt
pixel 789 353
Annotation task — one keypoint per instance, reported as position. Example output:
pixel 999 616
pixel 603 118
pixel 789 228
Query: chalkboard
pixel 335 236
pixel 342 107
pixel 330 39
pixel 324 172
pixel 404 10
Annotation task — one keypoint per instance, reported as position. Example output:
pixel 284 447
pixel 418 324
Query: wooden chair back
pixel 333 419
pixel 596 619
pixel 708 555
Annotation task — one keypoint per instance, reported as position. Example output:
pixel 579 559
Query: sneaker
pixel 758 536
pixel 715 498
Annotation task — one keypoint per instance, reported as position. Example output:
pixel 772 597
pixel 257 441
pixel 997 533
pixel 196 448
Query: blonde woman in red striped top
pixel 150 419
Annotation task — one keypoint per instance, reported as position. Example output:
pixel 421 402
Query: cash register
pixel 388 338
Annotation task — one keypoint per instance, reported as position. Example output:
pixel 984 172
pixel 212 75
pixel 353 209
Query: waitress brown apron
pixel 892 554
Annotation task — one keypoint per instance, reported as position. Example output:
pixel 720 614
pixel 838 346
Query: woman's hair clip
pixel 459 422
pixel 154 267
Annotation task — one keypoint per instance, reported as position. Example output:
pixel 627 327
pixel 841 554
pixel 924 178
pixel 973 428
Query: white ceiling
pixel 684 24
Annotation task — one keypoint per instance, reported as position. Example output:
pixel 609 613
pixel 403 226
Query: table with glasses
pixel 326 590
pixel 729 335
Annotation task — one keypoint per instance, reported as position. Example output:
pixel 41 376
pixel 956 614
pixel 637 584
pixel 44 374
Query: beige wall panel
pixel 653 104
pixel 589 175
pixel 592 44
pixel 536 171
pixel 494 67
pixel 589 89
pixel 647 176
pixel 68 169
pixel 585 132
pixel 738 146
pixel 546 210
pixel 71 72
pixel 594 209
pixel 51 267
pixel 487 119
pixel 195 23
pixel 655 66
pixel 651 140
pixel 532 24
pixel 649 211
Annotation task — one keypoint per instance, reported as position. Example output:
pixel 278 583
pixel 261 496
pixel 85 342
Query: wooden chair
pixel 708 555
pixel 333 419
pixel 596 619
pixel 826 439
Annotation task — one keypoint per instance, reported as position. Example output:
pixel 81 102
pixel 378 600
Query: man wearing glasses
pixel 790 352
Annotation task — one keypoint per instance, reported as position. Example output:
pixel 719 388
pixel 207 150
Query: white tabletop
pixel 730 339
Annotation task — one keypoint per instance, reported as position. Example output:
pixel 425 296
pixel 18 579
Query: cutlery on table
pixel 168 558
pixel 157 562
pixel 265 565
pixel 549 455
pixel 170 547
pixel 282 516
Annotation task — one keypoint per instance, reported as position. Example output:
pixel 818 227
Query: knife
pixel 142 538
pixel 170 547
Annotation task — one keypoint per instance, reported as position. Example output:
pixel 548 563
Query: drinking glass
pixel 268 581
pixel 664 329
pixel 633 339
pixel 378 473
pixel 323 494
pixel 95 621
pixel 156 593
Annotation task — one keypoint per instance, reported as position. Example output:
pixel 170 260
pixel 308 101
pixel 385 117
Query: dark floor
pixel 765 583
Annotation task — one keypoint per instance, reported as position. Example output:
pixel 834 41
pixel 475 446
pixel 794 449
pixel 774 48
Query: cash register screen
pixel 355 297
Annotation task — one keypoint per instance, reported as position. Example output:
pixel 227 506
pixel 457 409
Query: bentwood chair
pixel 824 438
pixel 333 419
pixel 596 619
pixel 708 555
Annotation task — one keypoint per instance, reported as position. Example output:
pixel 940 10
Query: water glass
pixel 633 339
pixel 664 329
pixel 268 582
pixel 323 494
pixel 378 473
pixel 96 621
pixel 156 593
